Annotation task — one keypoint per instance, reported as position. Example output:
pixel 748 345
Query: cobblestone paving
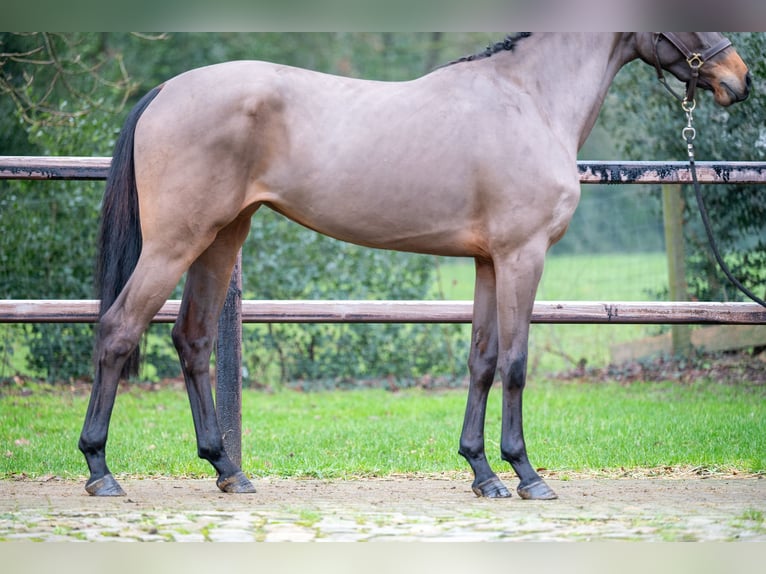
pixel 397 509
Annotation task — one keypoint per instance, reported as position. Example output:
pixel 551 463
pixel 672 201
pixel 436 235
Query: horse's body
pixel 476 159
pixel 405 159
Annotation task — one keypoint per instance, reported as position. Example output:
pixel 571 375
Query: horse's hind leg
pixel 119 332
pixel 482 364
pixel 517 280
pixel 194 334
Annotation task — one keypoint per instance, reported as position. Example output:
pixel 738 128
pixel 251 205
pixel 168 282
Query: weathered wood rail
pixel 302 311
pixel 228 391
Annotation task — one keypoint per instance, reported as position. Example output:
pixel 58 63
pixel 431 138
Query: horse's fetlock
pixel 89 445
pixel 513 452
pixel 471 450
pixel 209 452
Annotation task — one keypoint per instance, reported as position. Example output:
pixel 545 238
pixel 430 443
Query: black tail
pixel 119 237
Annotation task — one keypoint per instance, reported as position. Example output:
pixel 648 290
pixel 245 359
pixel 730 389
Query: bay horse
pixel 475 159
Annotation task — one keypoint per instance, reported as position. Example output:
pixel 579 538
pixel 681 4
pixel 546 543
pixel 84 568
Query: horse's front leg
pixel 482 364
pixel 516 288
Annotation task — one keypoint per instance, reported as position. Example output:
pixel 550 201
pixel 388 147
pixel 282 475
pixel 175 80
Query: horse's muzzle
pixel 735 91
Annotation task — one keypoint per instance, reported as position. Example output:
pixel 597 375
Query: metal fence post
pixel 228 367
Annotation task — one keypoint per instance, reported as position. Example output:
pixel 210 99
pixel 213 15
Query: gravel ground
pixel 390 509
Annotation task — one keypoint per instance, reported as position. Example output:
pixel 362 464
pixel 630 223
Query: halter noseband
pixel 695 60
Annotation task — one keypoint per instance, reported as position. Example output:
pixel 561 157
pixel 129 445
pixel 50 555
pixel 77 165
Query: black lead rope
pixel 709 230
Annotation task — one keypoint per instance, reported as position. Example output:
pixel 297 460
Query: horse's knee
pixel 514 370
pixel 482 367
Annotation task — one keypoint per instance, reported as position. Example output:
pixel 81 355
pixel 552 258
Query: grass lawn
pixel 569 427
pixel 632 277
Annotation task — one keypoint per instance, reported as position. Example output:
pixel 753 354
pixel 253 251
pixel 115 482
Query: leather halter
pixel 695 60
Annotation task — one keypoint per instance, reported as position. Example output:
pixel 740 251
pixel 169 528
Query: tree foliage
pixel 61 93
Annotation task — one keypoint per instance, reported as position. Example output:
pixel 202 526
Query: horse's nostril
pixel 748 80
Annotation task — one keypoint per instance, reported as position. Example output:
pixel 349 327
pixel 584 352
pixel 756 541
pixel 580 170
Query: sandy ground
pixel 398 508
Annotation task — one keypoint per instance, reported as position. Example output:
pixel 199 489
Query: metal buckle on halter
pixel 695 61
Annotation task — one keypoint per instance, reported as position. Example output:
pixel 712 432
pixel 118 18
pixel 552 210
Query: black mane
pixel 506 45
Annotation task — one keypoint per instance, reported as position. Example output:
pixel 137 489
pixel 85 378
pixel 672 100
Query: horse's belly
pixel 402 228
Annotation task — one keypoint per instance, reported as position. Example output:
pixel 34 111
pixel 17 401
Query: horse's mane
pixel 506 45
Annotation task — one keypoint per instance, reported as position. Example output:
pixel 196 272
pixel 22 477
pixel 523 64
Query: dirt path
pixel 412 508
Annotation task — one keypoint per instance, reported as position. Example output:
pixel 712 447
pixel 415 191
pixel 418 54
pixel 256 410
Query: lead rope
pixel 689 133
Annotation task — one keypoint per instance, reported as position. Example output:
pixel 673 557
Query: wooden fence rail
pixel 228 391
pixel 285 311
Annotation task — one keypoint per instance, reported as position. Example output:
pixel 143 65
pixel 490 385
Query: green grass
pixel 633 277
pixel 569 427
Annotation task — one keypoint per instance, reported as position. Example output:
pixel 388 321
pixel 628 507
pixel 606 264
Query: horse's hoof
pixel 104 486
pixel 235 484
pixel 536 491
pixel 491 488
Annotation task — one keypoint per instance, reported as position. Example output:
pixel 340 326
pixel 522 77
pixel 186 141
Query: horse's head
pixel 701 59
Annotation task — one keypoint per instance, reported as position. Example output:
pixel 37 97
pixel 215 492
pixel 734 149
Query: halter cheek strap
pixel 695 60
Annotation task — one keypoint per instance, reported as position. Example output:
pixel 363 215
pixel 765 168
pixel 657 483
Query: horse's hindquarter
pixel 430 165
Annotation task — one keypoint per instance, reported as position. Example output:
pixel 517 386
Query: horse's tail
pixel 119 237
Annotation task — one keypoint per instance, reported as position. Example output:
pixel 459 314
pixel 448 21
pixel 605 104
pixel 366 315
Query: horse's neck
pixel 571 74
